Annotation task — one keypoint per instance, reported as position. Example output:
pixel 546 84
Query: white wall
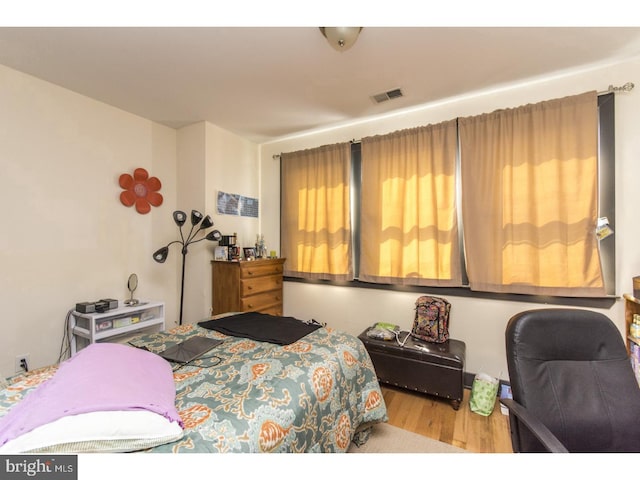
pixel 211 159
pixel 478 322
pixel 232 167
pixel 192 162
pixel 66 238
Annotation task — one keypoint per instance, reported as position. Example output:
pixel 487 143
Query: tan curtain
pixel 409 229
pixel 315 213
pixel 529 183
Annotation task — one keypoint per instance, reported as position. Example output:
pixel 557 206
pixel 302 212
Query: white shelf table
pixel 114 324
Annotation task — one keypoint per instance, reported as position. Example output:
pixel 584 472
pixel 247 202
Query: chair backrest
pixel 570 368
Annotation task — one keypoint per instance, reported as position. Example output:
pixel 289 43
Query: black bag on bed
pixel 431 321
pixel 262 327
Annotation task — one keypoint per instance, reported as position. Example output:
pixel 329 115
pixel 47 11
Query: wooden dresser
pixel 248 286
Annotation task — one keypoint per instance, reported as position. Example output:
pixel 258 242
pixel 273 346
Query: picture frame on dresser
pixel 221 253
pixel 249 253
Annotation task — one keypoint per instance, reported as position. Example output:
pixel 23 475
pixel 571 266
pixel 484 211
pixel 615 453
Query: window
pixel 529 198
pixel 408 193
pixel 315 213
pixel 408 219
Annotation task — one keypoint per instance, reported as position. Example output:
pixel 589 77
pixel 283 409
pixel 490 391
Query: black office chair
pixel 572 383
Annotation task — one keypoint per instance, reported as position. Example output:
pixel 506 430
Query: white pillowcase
pixel 104 431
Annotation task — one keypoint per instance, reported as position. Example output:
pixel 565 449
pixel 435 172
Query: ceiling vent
pixel 390 95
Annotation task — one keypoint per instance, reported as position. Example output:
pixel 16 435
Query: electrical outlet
pixel 21 361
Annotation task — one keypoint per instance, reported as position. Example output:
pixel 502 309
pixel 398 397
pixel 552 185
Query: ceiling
pixel 264 83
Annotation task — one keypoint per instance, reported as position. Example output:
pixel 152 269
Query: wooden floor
pixel 436 418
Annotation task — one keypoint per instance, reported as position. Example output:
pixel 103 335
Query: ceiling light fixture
pixel 341 38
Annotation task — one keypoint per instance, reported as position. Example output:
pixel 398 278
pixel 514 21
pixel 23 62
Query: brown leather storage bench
pixel 432 368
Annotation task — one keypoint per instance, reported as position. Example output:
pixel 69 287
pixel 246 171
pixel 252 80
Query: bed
pixel 317 394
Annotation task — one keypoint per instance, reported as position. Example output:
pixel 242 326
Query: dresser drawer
pixel 245 286
pixel 272 310
pixel 262 300
pixel 253 286
pixel 252 270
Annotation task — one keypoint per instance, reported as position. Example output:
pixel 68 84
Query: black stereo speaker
pixel 86 307
pixel 100 306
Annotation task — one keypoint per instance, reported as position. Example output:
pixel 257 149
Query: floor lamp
pixel 198 224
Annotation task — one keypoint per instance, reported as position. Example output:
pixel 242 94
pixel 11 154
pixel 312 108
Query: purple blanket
pixel 101 377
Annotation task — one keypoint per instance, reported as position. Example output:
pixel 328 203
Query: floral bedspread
pixel 314 395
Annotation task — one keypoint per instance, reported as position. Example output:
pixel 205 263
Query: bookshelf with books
pixel 632 331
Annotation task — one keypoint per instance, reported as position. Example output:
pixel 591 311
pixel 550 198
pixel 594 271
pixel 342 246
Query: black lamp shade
pixel 214 235
pixel 206 223
pixel 179 217
pixel 196 216
pixel 161 254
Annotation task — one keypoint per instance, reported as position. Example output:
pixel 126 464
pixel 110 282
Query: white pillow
pixel 107 431
pixel 107 398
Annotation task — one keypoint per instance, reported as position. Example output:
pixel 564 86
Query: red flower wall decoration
pixel 140 190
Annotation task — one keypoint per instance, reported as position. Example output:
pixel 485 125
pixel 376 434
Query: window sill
pixel 588 302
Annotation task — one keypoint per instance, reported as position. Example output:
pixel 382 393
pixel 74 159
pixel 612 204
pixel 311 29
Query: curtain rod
pixel 627 87
pixel 276 156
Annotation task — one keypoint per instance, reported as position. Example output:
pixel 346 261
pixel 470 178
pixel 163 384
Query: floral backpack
pixel 431 322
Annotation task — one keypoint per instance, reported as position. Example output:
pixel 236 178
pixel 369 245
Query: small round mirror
pixel 132 284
